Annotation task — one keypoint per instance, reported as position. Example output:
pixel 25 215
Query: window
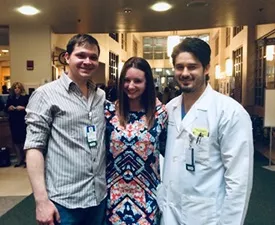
pixel 259 75
pixel 237 30
pixel 270 65
pixel 124 41
pixel 155 48
pixel 114 36
pixel 227 36
pixel 113 66
pixel 237 74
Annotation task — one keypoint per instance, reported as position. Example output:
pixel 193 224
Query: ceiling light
pixel 197 3
pixel 161 6
pixel 127 10
pixel 5 50
pixel 28 10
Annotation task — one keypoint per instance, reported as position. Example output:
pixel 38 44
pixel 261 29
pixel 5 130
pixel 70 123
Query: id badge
pixel 190 161
pixel 91 135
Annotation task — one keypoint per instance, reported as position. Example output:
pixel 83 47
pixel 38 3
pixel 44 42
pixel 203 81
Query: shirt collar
pixel 68 82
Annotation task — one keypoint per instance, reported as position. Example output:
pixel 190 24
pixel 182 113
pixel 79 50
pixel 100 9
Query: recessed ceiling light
pixel 161 6
pixel 127 10
pixel 28 10
pixel 5 50
pixel 197 3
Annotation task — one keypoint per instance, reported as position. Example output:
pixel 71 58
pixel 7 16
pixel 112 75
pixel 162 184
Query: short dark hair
pixel 79 40
pixel 199 48
pixel 148 98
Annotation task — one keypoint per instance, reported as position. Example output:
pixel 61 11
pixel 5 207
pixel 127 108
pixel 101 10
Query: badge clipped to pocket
pixel 91 136
pixel 190 161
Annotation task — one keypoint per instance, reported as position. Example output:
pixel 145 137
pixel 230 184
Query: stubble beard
pixel 193 88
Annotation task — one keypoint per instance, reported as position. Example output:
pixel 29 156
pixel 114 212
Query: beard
pixel 195 84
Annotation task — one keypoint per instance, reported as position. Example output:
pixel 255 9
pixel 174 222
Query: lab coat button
pixel 175 158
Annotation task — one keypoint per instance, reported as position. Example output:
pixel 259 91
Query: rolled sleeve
pixel 38 120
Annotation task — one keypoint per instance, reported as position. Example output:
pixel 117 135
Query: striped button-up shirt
pixel 57 117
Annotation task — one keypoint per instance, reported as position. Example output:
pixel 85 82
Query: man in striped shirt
pixel 65 141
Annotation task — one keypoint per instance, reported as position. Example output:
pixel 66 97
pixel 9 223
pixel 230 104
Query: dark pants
pixel 88 216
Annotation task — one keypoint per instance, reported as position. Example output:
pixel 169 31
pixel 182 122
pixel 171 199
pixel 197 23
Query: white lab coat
pixel 218 191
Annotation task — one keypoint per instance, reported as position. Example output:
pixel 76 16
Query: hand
pixel 20 108
pixel 11 108
pixel 46 213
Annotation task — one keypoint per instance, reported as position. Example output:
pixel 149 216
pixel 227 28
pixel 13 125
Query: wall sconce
pixel 269 52
pixel 217 72
pixel 229 67
pixel 172 41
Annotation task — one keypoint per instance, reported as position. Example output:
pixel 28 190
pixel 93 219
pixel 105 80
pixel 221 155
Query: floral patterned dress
pixel 133 167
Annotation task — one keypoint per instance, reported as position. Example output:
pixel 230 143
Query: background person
pixel 65 142
pixel 208 161
pixel 111 91
pixel 5 89
pixel 135 133
pixel 15 107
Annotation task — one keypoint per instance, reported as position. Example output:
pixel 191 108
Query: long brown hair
pixel 148 98
pixel 21 87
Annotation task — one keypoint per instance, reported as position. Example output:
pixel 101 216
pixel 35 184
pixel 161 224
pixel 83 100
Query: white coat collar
pixel 201 104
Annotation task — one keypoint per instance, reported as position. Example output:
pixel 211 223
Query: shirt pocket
pixel 201 150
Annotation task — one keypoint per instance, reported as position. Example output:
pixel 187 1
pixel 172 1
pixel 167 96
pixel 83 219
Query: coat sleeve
pixel 236 144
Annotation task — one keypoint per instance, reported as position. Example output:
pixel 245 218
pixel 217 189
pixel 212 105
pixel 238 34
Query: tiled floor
pixel 14 186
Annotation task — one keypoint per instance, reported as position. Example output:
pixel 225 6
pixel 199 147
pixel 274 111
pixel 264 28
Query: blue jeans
pixel 88 216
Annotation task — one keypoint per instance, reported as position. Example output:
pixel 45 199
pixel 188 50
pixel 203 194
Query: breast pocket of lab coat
pixel 202 151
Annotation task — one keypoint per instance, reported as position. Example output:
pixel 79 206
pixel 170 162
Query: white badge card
pixel 91 136
pixel 190 161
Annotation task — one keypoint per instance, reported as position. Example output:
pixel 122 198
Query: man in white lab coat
pixel 208 166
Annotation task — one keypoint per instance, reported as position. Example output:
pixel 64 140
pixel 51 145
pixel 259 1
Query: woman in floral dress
pixel 136 133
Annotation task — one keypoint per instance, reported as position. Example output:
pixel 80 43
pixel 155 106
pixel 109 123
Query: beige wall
pixel 30 43
pixel 244 39
pixel 261 30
